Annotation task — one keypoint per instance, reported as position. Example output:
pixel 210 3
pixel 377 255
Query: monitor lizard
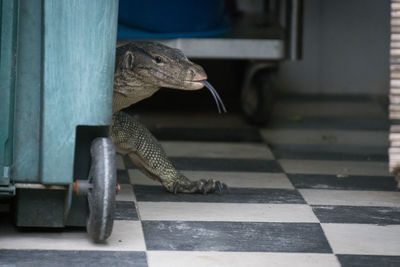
pixel 141 69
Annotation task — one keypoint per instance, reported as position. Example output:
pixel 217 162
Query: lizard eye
pixel 158 59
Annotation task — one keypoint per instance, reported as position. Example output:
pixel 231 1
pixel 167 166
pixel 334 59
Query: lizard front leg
pixel 133 139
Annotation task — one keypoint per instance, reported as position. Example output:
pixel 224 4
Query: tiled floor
pixel 319 194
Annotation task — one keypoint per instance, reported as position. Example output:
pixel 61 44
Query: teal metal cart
pixel 56 78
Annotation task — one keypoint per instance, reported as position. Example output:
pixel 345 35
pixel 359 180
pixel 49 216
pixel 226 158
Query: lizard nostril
pixel 197 74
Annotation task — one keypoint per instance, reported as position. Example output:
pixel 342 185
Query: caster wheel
pixel 102 190
pixel 257 95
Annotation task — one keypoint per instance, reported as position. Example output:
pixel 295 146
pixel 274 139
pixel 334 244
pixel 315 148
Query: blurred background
pixel 312 47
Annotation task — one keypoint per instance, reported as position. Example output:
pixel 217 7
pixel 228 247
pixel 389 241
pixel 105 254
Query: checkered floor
pixel 311 190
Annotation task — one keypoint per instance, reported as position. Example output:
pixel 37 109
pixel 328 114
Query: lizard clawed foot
pixel 201 186
pixel 220 187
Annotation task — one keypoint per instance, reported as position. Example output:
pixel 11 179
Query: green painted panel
pixel 28 92
pixel 78 63
pixel 8 38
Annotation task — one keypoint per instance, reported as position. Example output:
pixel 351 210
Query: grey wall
pixel 346 49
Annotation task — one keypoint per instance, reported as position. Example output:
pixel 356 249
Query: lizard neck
pixel 121 101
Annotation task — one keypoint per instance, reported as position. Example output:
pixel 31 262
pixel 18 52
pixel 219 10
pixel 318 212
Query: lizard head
pixel 155 64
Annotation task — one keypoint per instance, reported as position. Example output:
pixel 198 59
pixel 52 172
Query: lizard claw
pixel 203 190
pixel 175 190
pixel 220 187
pixel 203 186
pixel 225 187
pixel 211 185
pixel 200 186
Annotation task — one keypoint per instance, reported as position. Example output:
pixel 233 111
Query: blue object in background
pixel 172 19
pixel 132 33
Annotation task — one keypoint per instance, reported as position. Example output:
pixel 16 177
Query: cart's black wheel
pixel 101 195
pixel 257 97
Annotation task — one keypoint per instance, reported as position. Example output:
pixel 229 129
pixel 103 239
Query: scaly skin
pixel 142 68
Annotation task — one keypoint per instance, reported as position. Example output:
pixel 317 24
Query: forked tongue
pixel 216 96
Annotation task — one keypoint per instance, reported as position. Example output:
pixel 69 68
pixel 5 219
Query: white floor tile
pixel 363 239
pixel 342 168
pixel 314 108
pixel 351 198
pixel 238 259
pixel 325 137
pixel 126 236
pixel 119 162
pixel 217 150
pixel 126 193
pixel 179 211
pixel 232 179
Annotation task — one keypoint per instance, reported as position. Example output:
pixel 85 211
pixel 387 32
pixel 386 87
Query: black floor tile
pixel 345 123
pixel 330 152
pixel 128 163
pixel 209 134
pixel 317 181
pixel 368 261
pixel 235 195
pixel 357 214
pixel 122 177
pixel 235 236
pixel 126 210
pixel 52 258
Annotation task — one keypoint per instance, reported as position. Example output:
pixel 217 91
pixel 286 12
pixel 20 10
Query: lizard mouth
pixel 197 79
pixel 194 84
